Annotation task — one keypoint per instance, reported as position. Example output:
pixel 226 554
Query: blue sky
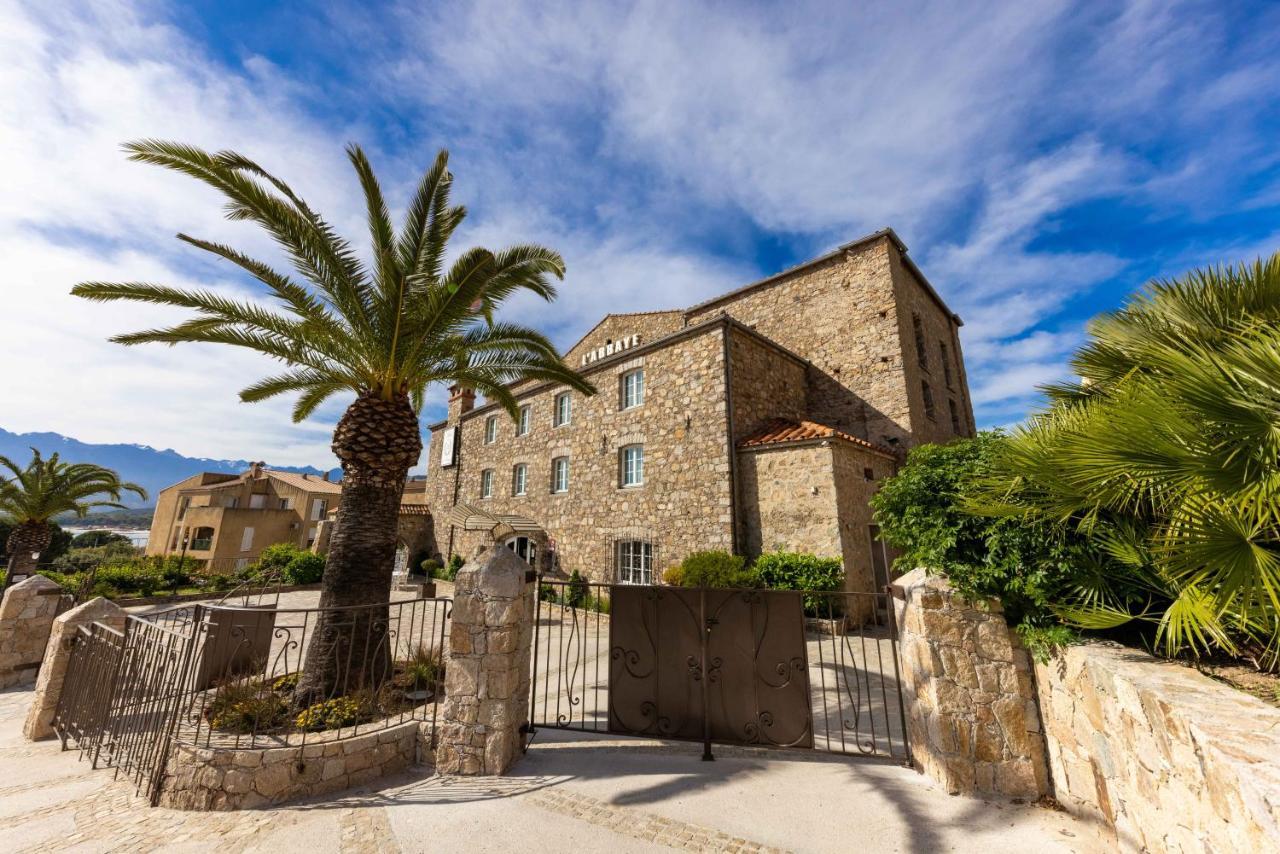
pixel 1041 161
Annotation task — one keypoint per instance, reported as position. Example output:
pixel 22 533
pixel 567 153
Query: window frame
pixel 922 351
pixel 638 375
pixel 946 363
pixel 486 483
pixel 623 483
pixel 525 422
pixel 522 469
pixel 567 399
pixel 633 558
pixel 930 405
pixel 491 429
pixel 956 424
pixel 556 464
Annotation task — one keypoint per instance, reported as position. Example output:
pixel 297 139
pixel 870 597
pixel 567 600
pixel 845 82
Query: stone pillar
pixel 970 693
pixel 487 673
pixel 26 615
pixel 57 655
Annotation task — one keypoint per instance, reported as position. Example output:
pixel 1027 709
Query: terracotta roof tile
pixel 781 430
pixel 415 510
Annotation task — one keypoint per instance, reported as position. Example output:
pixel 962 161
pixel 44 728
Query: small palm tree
pixel 42 489
pixel 383 331
pixel 1167 455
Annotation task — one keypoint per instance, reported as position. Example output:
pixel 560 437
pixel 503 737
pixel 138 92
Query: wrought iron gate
pixel 771 668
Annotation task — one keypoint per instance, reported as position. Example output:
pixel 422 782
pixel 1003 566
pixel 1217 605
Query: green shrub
pixel 128 579
pixel 577 590
pixel 337 713
pixel 287 564
pixel 925 510
pixel 712 569
pixel 450 572
pixel 800 571
pixel 431 568
pixel 423 670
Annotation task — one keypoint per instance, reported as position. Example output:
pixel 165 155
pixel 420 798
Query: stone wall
pixel 947 379
pixel 26 617
pixel 649 325
pixel 684 504
pixel 1168 758
pixel 766 383
pixel 850 465
pixel 969 692
pixel 202 778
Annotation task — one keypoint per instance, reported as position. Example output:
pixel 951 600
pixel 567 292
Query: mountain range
pixel 146 466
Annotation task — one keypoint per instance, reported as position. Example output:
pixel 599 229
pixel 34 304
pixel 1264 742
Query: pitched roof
pixel 307 482
pixel 782 430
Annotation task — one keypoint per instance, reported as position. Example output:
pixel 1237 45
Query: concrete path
pixel 570 793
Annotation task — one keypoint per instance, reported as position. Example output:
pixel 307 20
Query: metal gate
pixel 771 668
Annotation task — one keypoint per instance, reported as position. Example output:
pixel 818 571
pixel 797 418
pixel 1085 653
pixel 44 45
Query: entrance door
pixel 525 547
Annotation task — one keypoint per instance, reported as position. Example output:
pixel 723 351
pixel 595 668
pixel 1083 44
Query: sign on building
pixel 449 447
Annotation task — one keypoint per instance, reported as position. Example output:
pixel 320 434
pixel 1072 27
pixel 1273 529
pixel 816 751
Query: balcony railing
pixel 201 545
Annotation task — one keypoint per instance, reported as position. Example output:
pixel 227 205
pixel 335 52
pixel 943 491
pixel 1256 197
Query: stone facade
pixel 26 617
pixel 1166 757
pixel 823 342
pixel 970 693
pixel 486 703
pixel 202 778
pixel 57 655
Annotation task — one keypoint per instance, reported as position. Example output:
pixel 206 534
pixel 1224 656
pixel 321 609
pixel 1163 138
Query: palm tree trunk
pixel 350 649
pixel 25 544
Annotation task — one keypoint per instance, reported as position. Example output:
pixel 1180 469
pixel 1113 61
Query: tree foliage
pixel 389 328
pixel 43 488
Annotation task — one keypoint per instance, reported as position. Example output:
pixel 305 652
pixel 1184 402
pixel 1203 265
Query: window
pixel 632 389
pixel 868 474
pixel 921 353
pixel 928 401
pixel 183 505
pixel 491 429
pixel 311 536
pixel 635 562
pixel 563 411
pixel 519 479
pixel 233 502
pixel 258 501
pixel 319 507
pixel 522 427
pixel 946 363
pixel 955 418
pixel 560 474
pixel 632 465
pixel 246 540
pixel 286 503
pixel 486 483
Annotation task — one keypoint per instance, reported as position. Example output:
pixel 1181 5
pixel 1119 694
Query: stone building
pixel 762 419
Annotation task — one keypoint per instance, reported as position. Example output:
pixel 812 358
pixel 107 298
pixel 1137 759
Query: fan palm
pixel 33 494
pixel 1167 454
pixel 384 331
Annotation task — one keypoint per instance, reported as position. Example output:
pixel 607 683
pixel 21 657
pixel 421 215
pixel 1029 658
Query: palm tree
pixel 1167 454
pixel 42 489
pixel 384 331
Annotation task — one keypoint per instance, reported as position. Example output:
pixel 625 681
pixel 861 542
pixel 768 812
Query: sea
pixel 138 538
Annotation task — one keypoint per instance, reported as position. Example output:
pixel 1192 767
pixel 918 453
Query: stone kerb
pixel 57 656
pixel 970 693
pixel 26 616
pixel 487 676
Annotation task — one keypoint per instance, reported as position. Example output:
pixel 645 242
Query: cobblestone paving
pixel 621 797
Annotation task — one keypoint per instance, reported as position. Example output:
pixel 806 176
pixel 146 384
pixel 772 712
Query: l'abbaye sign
pixel 610 348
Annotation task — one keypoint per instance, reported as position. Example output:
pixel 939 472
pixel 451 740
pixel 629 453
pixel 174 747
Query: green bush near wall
pixel 801 571
pixel 712 569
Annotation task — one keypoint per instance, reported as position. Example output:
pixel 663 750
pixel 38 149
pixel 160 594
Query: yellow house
pixel 228 519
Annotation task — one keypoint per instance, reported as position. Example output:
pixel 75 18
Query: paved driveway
pixel 570 793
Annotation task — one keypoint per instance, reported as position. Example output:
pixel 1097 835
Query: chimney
pixel 325 477
pixel 461 401
pixel 255 470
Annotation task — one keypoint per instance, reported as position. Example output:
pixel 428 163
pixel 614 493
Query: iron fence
pixel 248 676
pixel 782 668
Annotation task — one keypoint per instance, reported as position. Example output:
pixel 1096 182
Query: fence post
pixel 57 656
pixel 26 616
pixel 487 675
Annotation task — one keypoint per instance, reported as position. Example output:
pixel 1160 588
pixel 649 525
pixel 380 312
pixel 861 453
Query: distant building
pixel 228 519
pixel 762 419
